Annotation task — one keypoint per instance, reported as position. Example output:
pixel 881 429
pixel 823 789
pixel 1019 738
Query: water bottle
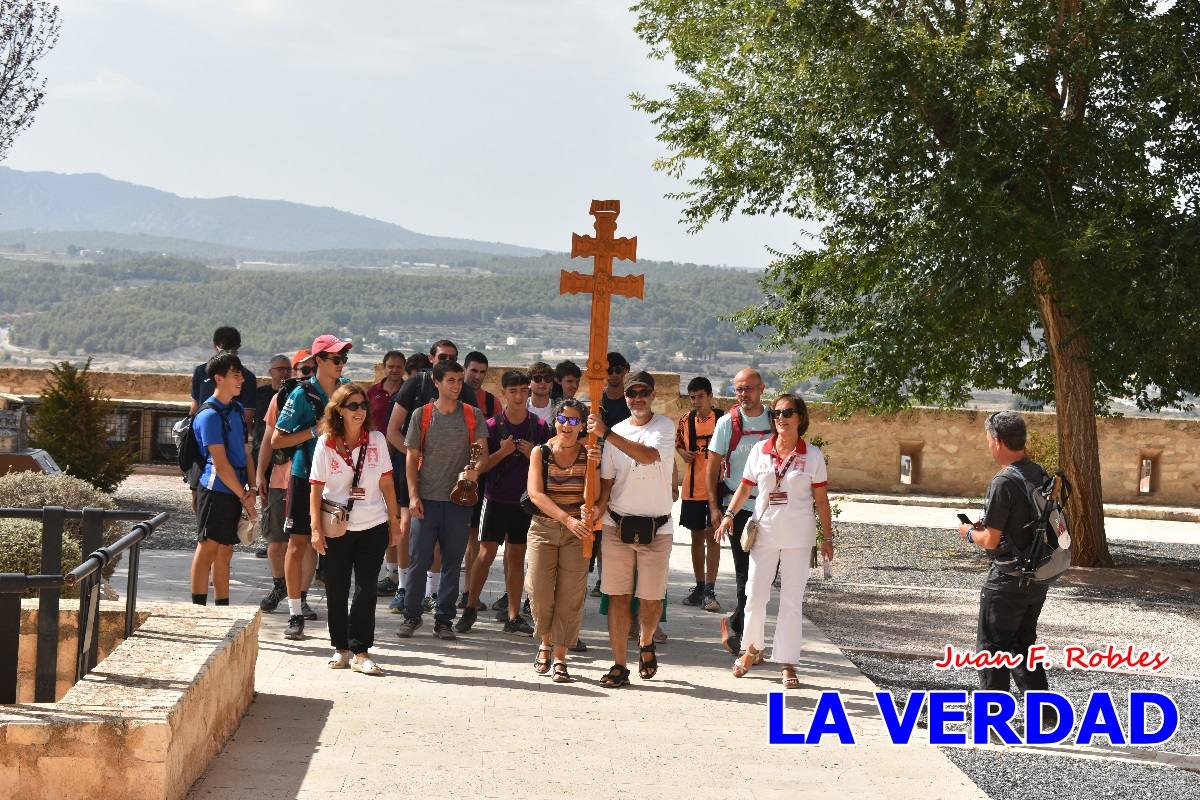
pixel 827 567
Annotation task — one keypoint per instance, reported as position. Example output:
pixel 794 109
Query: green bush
pixel 72 425
pixel 1043 448
pixel 34 490
pixel 21 551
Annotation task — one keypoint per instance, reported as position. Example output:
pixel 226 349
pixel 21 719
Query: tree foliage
pixel 28 31
pixel 1006 192
pixel 72 425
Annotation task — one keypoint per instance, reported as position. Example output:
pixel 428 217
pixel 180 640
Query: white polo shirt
pixel 791 523
pixel 335 472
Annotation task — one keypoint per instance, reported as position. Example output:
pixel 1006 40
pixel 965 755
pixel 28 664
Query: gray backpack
pixel 1048 554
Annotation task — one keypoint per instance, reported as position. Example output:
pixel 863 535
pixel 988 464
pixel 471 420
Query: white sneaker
pixel 366 666
pixel 339 660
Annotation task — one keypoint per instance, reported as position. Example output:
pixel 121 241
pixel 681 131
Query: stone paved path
pixel 470 719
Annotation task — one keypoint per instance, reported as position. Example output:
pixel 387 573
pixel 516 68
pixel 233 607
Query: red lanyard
pixel 780 472
pixel 363 438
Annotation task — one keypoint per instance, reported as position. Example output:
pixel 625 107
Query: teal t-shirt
pixel 297 414
pixel 754 429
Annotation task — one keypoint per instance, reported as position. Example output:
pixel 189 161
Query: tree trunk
pixel 1074 400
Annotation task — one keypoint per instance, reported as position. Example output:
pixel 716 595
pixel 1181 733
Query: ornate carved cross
pixel 602 285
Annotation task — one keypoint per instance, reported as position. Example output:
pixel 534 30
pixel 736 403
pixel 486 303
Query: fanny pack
pixel 637 530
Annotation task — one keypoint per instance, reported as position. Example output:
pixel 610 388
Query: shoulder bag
pixel 335 517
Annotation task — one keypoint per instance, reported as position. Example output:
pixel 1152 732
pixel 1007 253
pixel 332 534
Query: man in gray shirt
pixel 439 443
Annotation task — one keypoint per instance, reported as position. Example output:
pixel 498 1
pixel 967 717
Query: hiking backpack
pixel 1048 554
pixel 187 450
pixel 693 441
pixel 426 412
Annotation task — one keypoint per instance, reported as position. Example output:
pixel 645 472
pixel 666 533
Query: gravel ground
pixel 913 590
pixel 1149 600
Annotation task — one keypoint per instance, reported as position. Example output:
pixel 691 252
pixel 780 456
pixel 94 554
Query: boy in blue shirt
pixel 223 492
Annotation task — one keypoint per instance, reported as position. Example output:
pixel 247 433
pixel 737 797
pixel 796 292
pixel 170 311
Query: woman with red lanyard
pixel 352 469
pixel 790 477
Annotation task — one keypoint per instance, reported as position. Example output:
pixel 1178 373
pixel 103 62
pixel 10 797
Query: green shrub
pixel 72 425
pixel 21 551
pixel 34 490
pixel 1043 448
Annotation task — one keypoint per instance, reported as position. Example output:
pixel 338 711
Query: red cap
pixel 302 355
pixel 328 343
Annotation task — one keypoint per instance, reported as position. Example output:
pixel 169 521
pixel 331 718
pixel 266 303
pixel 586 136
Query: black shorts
pixel 505 521
pixel 476 512
pixel 217 515
pixel 297 520
pixel 400 478
pixel 693 515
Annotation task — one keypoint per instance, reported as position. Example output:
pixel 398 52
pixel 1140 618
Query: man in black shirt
pixel 1008 611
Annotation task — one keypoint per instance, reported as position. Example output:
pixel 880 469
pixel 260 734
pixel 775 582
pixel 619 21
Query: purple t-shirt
pixel 507 480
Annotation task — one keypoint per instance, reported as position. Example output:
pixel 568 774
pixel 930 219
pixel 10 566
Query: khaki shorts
pixel 270 519
pixel 652 563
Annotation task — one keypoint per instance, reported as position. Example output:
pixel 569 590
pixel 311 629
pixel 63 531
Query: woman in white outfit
pixel 790 477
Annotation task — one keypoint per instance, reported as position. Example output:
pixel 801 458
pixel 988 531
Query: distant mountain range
pixel 50 202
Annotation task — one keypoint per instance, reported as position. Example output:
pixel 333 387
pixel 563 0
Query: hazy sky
pixel 483 119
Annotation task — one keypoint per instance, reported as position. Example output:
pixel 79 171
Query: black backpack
pixel 283 455
pixel 187 449
pixel 1048 554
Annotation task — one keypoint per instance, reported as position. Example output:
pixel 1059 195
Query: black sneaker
pixel 710 601
pixel 462 600
pixel 501 604
pixel 307 611
pixel 408 627
pixel 695 597
pixel 525 609
pixel 480 605
pixel 466 620
pixel 444 631
pixel 295 628
pixel 273 599
pixel 502 615
pixel 261 552
pixel 518 627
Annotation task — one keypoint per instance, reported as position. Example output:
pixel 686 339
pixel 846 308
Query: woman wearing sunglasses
pixel 790 477
pixel 557 577
pixel 352 468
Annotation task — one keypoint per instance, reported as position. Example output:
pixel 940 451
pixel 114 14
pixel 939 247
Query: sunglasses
pixel 541 379
pixel 338 360
pixel 636 393
pixel 563 419
pixel 786 413
pixel 356 406
pixel 306 370
pixel 616 370
pixel 445 357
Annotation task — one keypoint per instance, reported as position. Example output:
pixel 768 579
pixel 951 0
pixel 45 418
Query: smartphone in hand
pixel 963 518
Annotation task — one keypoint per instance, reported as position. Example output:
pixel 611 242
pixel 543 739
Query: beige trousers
pixel 556 580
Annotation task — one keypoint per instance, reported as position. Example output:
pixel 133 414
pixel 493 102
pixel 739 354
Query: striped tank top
pixel 565 485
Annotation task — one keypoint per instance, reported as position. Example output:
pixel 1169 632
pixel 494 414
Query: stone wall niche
pixel 909 464
pixel 1149 471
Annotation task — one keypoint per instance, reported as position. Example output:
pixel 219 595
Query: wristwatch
pixel 728 514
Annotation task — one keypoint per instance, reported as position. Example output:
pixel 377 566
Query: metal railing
pixel 87 576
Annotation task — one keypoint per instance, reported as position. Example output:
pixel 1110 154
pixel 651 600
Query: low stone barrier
pixel 148 719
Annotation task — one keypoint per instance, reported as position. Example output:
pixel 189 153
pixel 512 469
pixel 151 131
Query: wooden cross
pixel 602 285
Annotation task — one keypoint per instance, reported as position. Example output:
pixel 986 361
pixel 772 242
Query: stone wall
pixel 947 445
pixel 112 633
pixel 148 720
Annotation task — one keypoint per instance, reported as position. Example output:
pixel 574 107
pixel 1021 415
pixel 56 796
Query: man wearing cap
pixel 613 407
pixel 274 477
pixel 635 488
pixel 297 427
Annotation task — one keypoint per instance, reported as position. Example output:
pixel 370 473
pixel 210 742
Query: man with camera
pixel 1009 606
pixel 636 473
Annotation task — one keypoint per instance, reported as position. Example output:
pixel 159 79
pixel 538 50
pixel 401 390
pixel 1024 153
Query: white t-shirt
pixel 643 490
pixel 543 414
pixel 336 473
pixel 791 523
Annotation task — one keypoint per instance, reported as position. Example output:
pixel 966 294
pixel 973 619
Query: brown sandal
pixel 790 681
pixel 742 664
pixel 541 664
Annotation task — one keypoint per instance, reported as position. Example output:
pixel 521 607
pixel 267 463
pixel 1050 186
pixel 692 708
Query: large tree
pixel 28 30
pixel 1006 194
